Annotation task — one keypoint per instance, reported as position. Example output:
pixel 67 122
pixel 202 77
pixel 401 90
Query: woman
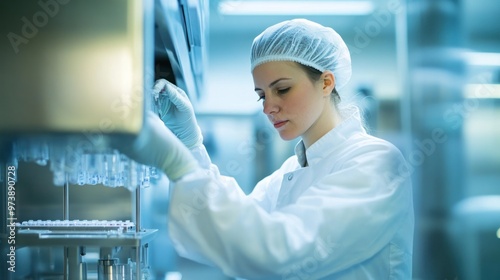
pixel 340 208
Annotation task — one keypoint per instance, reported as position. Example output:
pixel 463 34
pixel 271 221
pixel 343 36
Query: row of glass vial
pixel 83 162
pixel 77 223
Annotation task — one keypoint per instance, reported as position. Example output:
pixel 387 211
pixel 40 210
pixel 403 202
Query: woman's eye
pixel 261 98
pixel 283 90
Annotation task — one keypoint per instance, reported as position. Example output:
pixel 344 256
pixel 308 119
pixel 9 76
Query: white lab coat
pixel 348 214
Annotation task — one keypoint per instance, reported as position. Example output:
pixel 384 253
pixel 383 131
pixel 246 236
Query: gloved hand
pixel 177 113
pixel 157 146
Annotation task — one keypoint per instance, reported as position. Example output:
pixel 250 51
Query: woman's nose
pixel 270 105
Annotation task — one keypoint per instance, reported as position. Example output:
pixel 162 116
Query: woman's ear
pixel 328 82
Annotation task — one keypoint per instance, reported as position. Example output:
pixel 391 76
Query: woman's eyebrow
pixel 274 82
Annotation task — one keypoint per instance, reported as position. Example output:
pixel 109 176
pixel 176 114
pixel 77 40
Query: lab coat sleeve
pixel 205 163
pixel 343 219
pixel 199 152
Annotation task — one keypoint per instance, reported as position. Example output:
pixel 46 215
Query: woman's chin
pixel 287 136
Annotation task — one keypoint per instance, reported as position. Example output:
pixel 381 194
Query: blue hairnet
pixel 305 42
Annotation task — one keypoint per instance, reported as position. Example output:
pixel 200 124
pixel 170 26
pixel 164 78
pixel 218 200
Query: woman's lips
pixel 279 124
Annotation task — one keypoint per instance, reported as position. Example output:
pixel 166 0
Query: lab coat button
pixel 290 177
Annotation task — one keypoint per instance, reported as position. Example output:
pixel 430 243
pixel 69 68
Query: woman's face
pixel 294 104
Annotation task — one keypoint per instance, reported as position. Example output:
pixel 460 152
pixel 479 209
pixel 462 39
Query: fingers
pixel 175 95
pixel 178 97
pixel 160 86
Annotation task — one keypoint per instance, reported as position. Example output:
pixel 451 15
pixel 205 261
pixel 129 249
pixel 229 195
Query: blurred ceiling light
pixel 488 91
pixel 498 233
pixel 482 59
pixel 239 7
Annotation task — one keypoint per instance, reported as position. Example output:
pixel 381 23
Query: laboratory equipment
pixel 77 76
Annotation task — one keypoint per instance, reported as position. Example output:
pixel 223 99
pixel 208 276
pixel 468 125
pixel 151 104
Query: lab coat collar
pixel 323 146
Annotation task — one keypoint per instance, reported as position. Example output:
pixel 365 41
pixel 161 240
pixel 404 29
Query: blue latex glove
pixel 157 146
pixel 176 111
